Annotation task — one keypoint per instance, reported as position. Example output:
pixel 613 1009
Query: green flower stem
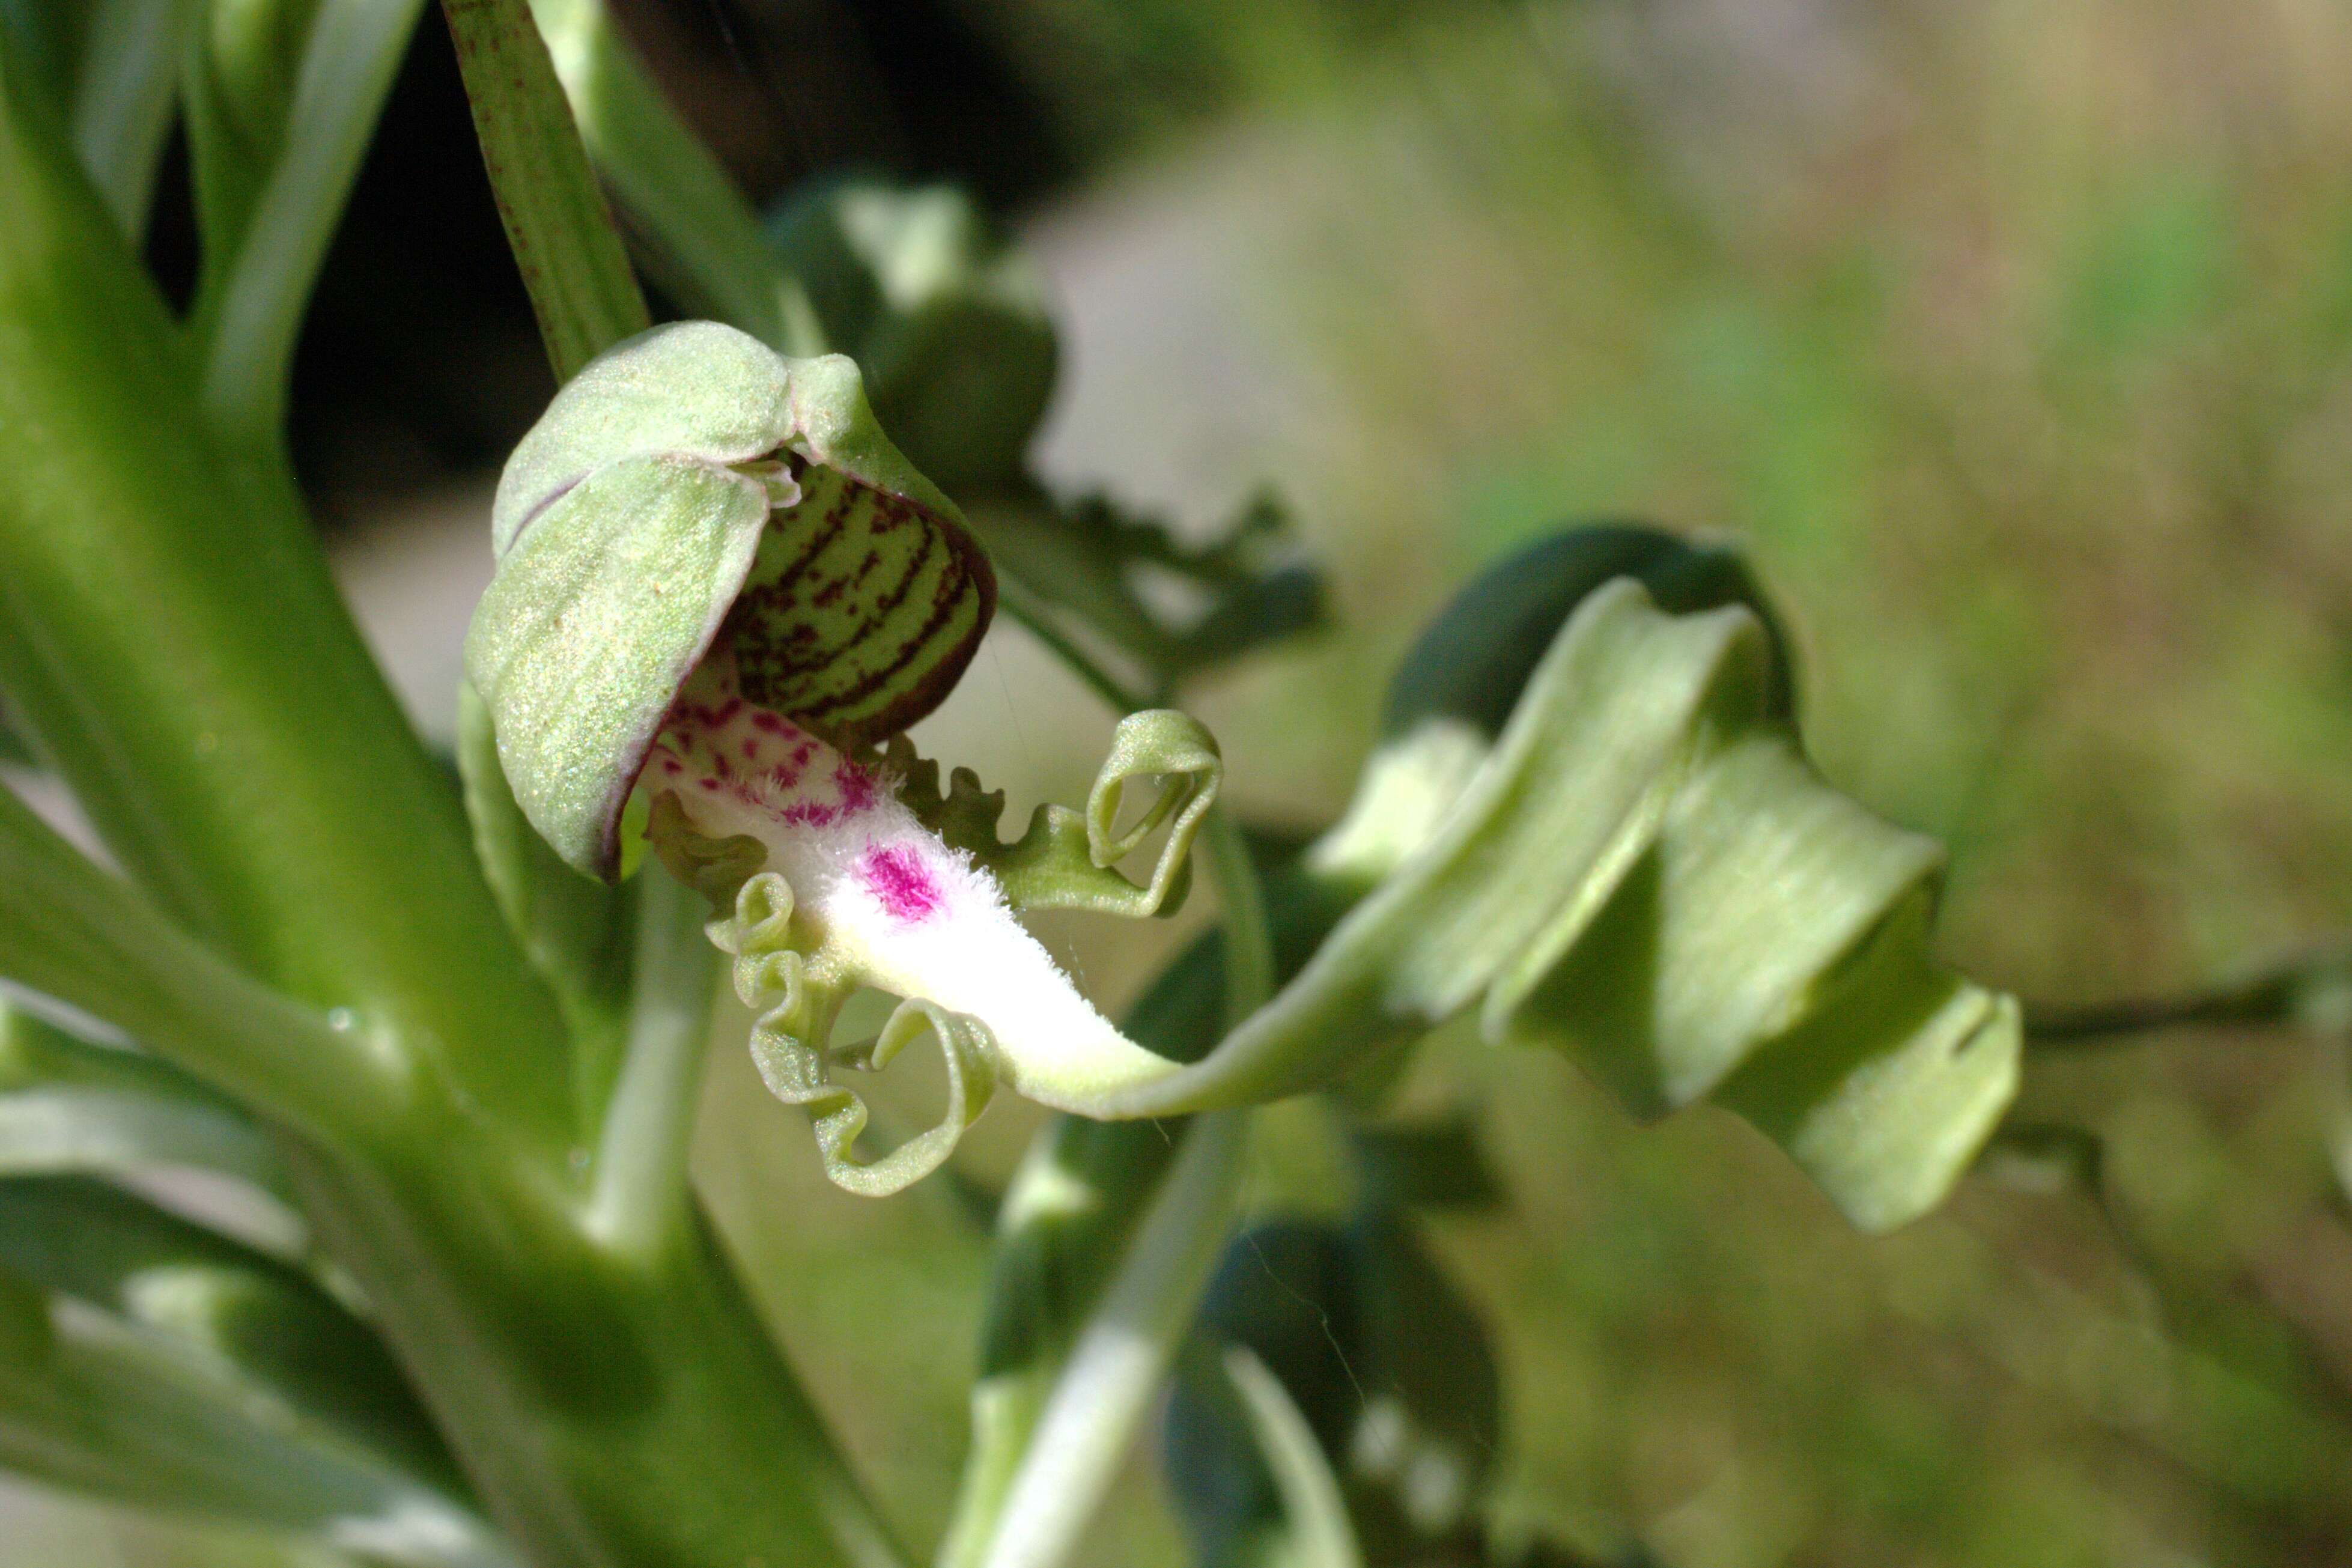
pixel 556 222
pixel 1041 1473
pixel 640 1176
pixel 123 103
pixel 71 932
pixel 169 632
pixel 352 52
pixel 707 244
pixel 1121 1357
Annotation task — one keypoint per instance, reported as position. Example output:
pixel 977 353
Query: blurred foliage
pixel 2015 345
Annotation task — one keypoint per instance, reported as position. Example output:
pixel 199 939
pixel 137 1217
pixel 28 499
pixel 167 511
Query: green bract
pixel 692 487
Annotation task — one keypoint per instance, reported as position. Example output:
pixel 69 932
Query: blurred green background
pixel 2014 342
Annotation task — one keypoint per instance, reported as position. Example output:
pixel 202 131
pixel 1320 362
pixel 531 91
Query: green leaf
pixel 77 1128
pixel 280 97
pixel 110 1250
pixel 45 41
pixel 68 1105
pixel 1432 1165
pixel 105 70
pixel 690 478
pixel 239 96
pixel 697 233
pixel 71 932
pixel 123 110
pixel 1477 656
pixel 170 1369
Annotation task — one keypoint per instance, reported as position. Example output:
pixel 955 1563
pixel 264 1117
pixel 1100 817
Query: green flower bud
pixel 693 491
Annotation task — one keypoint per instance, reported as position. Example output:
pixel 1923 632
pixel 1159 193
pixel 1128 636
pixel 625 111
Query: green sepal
pixel 592 622
pixel 1067 860
pixel 949 323
pixel 634 515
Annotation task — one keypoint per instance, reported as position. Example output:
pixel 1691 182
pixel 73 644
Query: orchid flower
pixel 720 588
pixel 720 585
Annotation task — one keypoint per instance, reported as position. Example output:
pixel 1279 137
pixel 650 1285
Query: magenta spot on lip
pixel 856 789
pixel 899 882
